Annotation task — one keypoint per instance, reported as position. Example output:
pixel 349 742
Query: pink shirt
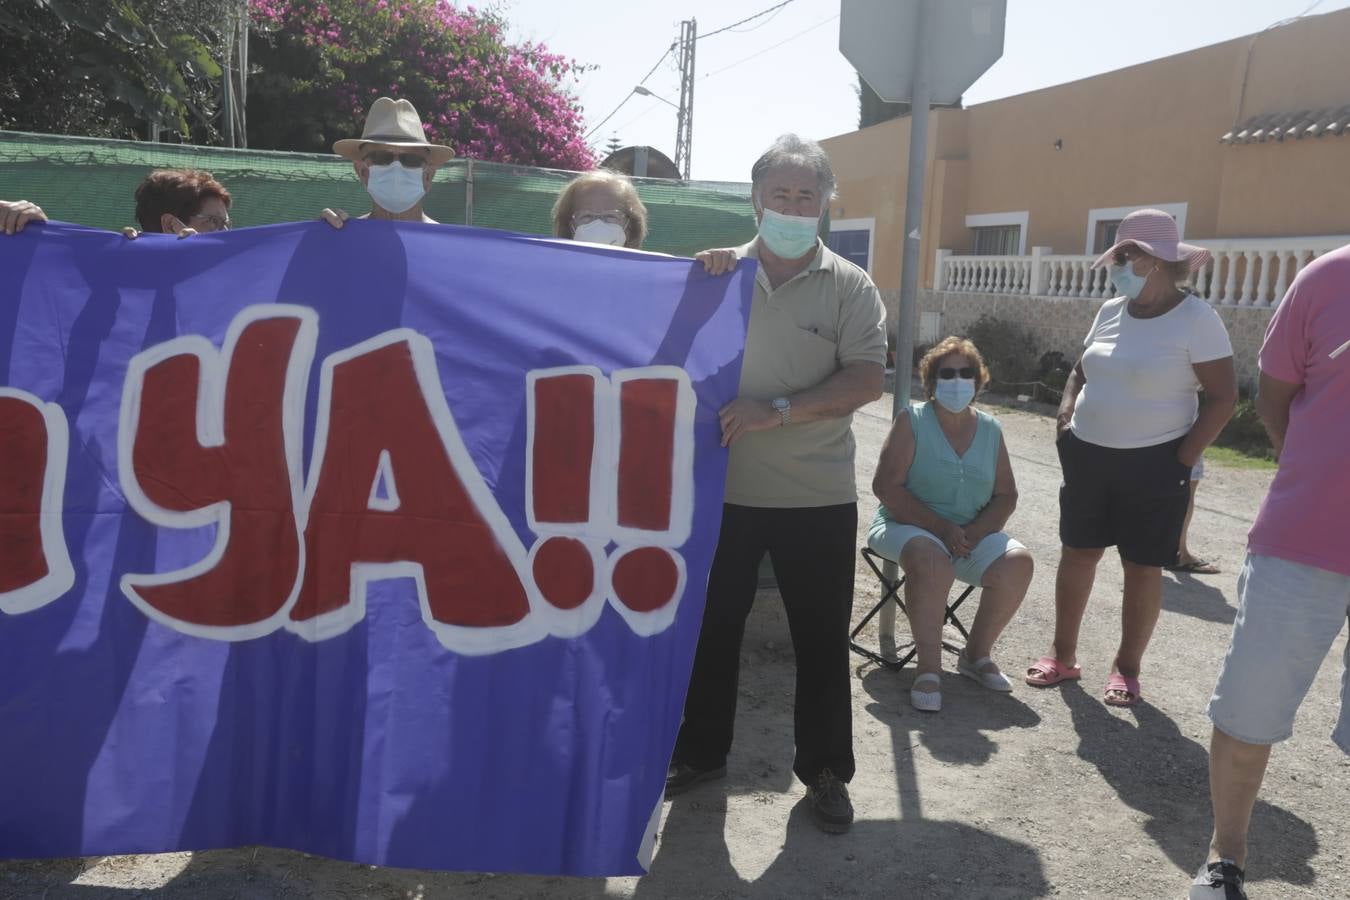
pixel 1305 515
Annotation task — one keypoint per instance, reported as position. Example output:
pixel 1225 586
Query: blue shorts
pixel 1288 617
pixel 887 538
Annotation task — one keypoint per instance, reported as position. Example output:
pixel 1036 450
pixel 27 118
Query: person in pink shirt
pixel 1294 590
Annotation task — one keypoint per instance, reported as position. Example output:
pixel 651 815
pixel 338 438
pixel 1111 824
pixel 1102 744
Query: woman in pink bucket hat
pixel 1131 427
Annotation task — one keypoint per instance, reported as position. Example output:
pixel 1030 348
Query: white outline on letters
pixel 384 474
pixel 214 369
pixel 602 489
pixel 459 638
pixel 60 575
pixel 682 458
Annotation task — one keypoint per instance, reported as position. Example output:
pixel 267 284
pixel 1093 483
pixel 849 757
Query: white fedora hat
pixel 392 123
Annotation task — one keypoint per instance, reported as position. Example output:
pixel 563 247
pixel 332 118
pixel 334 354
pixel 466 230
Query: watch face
pixel 780 403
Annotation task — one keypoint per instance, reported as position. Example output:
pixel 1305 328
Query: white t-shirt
pixel 1141 389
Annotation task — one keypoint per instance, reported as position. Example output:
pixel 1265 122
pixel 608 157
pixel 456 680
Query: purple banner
pixel 387 544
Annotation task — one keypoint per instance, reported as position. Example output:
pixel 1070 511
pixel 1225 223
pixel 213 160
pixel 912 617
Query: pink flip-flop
pixel 1048 671
pixel 1124 684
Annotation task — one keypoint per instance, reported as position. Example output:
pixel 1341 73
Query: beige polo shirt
pixel 800 334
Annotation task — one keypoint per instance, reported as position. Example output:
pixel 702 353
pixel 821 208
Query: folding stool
pixel 891 591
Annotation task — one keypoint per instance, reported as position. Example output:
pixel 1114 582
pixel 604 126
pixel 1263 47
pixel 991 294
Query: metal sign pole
pixel 909 261
pixel 914 185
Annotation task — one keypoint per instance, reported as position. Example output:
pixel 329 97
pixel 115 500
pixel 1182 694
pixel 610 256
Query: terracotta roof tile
pixel 1306 123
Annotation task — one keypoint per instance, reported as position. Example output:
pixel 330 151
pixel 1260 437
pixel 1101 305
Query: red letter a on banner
pixel 393 492
pixel 215 437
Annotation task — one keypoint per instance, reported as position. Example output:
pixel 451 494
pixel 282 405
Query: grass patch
pixel 1227 456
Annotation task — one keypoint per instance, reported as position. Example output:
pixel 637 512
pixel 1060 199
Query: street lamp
pixel 647 93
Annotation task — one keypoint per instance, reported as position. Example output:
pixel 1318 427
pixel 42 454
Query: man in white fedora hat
pixel 394 161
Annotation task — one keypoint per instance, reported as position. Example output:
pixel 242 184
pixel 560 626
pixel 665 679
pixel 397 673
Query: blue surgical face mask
pixel 954 394
pixel 1128 283
pixel 395 187
pixel 788 237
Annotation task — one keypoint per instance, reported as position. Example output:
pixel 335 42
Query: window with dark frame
pixel 1106 234
pixel 997 240
pixel 852 244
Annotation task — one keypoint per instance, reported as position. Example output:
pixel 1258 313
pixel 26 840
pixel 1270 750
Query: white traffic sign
pixel 964 38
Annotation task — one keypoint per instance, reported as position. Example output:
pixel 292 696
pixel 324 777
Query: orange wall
pixel 1289 188
pixel 871 168
pixel 1141 135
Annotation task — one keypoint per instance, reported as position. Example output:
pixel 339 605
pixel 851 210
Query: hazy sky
pixel 783 72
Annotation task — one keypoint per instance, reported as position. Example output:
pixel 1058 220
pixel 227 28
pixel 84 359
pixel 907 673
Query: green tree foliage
pixel 872 110
pixel 110 67
pixel 319 64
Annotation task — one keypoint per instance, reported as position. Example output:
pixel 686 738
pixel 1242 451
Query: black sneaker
pixel 680 778
pixel 1220 880
pixel 830 805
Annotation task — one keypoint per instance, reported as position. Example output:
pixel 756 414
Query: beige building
pixel 1241 142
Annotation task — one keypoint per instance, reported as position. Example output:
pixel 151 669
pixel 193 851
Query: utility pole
pixel 684 126
pixel 235 95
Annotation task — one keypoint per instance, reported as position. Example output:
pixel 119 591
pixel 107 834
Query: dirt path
pixel 1045 792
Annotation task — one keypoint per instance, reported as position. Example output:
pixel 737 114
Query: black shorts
pixel 1133 499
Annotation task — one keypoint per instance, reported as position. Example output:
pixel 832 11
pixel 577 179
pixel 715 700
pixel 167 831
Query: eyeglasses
pixel 947 374
pixel 211 223
pixel 613 217
pixel 407 160
pixel 1121 257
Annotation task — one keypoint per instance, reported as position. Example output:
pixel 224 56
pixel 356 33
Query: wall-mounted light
pixel 1059 143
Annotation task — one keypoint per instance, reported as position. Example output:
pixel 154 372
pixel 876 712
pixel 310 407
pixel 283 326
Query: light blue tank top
pixel 954 487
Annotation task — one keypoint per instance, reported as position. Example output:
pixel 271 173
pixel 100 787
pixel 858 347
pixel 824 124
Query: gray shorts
pixel 888 539
pixel 1289 615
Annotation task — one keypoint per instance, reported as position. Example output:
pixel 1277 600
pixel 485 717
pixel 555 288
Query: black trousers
pixel 812 553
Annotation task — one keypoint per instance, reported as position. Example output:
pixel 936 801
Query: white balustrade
pixel 1245 272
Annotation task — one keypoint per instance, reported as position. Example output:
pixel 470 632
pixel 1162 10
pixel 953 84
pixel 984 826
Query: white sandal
pixel 994 681
pixel 926 701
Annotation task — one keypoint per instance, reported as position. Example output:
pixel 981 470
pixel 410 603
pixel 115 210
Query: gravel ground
pixel 1040 793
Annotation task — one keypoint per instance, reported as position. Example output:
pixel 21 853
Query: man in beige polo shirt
pixel 814 353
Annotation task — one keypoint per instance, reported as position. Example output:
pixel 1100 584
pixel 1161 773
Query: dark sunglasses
pixel 965 372
pixel 1121 257
pixel 408 160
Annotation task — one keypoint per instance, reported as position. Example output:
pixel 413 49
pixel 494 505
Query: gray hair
pixel 791 150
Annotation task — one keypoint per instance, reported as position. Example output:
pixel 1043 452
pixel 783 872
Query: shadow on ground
pixel 1200 598
pixel 1164 775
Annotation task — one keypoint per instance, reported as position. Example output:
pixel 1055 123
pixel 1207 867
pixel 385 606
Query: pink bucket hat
pixel 1155 232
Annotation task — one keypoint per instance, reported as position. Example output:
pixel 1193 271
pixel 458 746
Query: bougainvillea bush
pixel 317 65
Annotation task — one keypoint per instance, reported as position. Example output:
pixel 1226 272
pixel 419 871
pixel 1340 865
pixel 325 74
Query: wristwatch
pixel 784 407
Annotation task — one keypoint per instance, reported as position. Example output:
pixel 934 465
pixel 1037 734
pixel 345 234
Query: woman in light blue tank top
pixel 946 488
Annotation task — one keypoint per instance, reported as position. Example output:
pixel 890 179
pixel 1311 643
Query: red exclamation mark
pixel 561 459
pixel 655 486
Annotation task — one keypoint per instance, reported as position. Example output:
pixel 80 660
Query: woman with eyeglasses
pixel 946 488
pixel 1131 426
pixel 601 207
pixel 182 202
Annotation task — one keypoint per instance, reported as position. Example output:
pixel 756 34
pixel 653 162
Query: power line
pixel 763 12
pixel 658 63
pixel 629 95
pixel 772 47
pixel 642 115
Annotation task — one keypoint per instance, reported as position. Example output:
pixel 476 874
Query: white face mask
pixel 395 187
pixel 601 232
